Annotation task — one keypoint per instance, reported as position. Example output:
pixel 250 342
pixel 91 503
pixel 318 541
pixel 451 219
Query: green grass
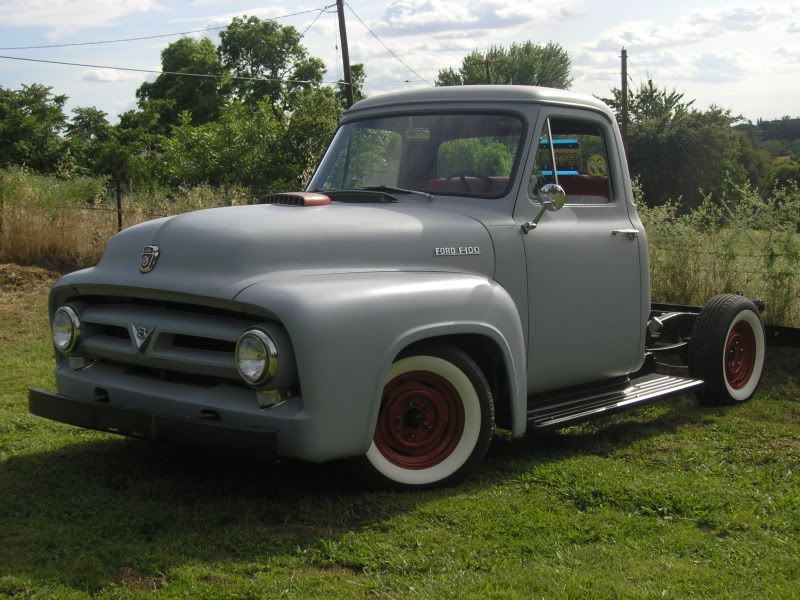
pixel 673 501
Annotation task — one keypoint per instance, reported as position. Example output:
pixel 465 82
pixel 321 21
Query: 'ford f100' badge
pixel 149 259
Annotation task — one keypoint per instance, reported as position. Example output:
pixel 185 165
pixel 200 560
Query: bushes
pixel 741 242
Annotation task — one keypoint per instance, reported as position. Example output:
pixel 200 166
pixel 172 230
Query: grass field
pixel 674 501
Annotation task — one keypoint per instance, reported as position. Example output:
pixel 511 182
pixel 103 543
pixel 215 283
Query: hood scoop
pixel 295 199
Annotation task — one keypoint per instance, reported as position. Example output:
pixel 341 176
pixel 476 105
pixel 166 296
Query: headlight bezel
pixel 75 329
pixel 270 351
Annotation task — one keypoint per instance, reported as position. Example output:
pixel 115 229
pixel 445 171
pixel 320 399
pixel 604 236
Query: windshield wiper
pixel 391 188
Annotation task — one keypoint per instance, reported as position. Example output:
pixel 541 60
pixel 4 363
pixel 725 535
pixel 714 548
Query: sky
pixel 744 56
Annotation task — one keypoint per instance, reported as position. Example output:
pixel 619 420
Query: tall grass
pixel 740 242
pixel 64 224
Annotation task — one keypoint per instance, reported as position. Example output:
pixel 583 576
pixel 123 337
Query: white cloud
pixel 788 56
pixel 735 19
pixel 794 27
pixel 711 67
pixel 110 76
pixel 62 16
pixel 269 12
pixel 404 17
pixel 699 26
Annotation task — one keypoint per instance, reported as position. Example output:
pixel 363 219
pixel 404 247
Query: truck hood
pixel 219 252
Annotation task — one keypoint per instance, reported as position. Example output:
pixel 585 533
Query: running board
pixel 563 412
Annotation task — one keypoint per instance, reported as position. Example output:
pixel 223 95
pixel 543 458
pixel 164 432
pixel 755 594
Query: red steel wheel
pixel 727 349
pixel 740 354
pixel 435 420
pixel 421 420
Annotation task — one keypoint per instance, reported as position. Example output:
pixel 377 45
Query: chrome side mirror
pixel 552 197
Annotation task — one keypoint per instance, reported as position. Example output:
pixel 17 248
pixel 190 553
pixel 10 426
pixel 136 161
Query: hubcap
pixel 421 420
pixel 740 355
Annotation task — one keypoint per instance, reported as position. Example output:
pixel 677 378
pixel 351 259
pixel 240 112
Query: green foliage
pixel 649 102
pixel 203 97
pixel 249 146
pixel 740 241
pixel 86 135
pixel 19 187
pixel 679 152
pixel 253 48
pixel 357 76
pixel 482 156
pixel 523 63
pixel 786 173
pixel 31 122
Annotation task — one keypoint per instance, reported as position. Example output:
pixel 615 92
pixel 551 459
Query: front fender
pixel 347 328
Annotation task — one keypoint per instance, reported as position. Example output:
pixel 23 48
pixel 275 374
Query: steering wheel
pixel 463 176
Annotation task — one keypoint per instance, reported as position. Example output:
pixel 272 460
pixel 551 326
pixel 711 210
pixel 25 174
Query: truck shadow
pixel 91 513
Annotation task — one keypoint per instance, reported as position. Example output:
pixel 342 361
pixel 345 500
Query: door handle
pixel 631 233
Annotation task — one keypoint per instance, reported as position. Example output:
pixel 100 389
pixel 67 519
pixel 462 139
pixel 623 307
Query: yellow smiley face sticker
pixel 596 165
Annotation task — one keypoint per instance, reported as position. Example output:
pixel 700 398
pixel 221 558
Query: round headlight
pixel 256 357
pixel 66 329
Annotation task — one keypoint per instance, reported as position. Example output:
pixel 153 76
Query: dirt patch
pixel 790 445
pixel 781 366
pixel 14 278
pixel 214 579
pixel 132 578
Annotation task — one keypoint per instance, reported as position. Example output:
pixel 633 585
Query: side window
pixel 581 161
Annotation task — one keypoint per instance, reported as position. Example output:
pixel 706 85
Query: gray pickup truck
pixel 464 257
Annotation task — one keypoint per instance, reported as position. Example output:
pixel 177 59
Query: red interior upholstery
pixel 584 185
pixel 490 186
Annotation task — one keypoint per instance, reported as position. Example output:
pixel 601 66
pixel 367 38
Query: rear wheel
pixel 435 421
pixel 727 350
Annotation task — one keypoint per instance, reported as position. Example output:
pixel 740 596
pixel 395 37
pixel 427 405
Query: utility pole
pixel 624 89
pixel 348 78
pixel 488 75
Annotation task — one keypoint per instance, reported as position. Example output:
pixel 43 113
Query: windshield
pixel 443 154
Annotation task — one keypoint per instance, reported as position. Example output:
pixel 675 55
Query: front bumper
pixel 149 425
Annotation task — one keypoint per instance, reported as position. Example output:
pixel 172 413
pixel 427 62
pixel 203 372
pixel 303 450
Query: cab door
pixel 582 261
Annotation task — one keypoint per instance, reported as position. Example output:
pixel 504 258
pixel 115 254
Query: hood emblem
pixel 149 258
pixel 141 335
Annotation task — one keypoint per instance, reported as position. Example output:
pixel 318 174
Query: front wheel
pixel 727 350
pixel 435 420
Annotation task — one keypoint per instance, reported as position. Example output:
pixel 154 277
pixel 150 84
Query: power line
pixel 184 74
pixel 161 35
pixel 179 73
pixel 389 50
pixel 319 14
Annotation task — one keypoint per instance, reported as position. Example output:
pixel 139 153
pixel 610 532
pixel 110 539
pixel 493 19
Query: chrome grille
pixel 162 339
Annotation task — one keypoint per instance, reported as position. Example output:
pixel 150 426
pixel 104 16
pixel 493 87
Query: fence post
pixel 119 206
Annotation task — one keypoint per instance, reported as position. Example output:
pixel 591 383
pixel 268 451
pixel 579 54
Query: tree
pixel 31 122
pixel 85 134
pixel 357 76
pixel 203 97
pixel 677 151
pixel 649 102
pixel 252 48
pixel 521 64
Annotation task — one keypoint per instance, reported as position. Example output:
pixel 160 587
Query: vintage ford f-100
pixel 463 256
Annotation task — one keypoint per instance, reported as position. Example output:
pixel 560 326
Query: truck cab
pixel 462 257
